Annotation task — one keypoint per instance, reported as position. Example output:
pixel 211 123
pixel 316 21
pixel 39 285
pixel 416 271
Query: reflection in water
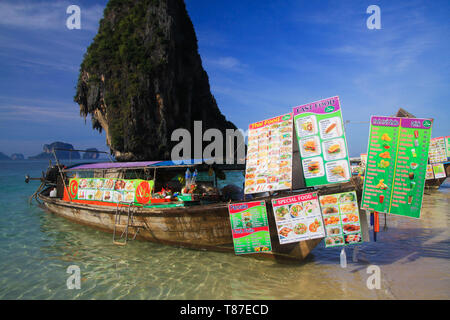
pixel 36 248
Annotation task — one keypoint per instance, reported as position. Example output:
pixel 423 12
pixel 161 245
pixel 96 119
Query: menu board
pixel 396 165
pixel 447 145
pixel 438 152
pixel 269 155
pixel 298 218
pixel 430 174
pixel 111 190
pixel 250 227
pixel 363 159
pixel 341 217
pixel 439 171
pixel 322 142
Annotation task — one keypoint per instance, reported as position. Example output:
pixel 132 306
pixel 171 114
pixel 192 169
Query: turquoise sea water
pixel 36 248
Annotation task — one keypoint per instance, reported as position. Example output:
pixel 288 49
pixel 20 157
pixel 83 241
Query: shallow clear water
pixel 36 248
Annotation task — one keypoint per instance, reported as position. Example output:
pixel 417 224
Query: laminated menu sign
pixel 437 152
pixel 439 171
pixel 447 145
pixel 322 142
pixel 298 218
pixel 269 155
pixel 363 159
pixel 396 165
pixel 250 227
pixel 341 217
pixel 430 174
pixel 111 190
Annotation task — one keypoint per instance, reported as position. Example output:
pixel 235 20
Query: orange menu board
pixel 269 155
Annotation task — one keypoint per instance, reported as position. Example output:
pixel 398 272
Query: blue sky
pixel 262 59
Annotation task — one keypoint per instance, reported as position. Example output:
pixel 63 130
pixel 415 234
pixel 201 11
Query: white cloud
pixel 225 63
pixel 37 113
pixel 46 15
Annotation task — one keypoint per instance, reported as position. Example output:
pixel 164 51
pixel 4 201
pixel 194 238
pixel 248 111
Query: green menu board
pixel 396 165
pixel 322 143
pixel 439 171
pixel 447 145
pixel 250 227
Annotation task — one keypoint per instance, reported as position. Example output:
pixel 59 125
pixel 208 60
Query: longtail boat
pixel 200 222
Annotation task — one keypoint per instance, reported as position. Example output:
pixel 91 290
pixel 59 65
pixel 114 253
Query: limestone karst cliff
pixel 142 78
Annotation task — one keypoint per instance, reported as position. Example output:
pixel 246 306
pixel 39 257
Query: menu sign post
pixel 341 217
pixel 298 218
pixel 322 142
pixel 438 152
pixel 269 155
pixel 439 171
pixel 396 165
pixel 250 227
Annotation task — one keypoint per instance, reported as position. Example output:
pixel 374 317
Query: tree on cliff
pixel 142 78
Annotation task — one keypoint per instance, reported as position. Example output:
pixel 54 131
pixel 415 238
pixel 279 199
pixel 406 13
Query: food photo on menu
pixel 341 218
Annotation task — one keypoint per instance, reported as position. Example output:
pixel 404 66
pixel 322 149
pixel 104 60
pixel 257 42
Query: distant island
pixel 91 155
pixel 17 156
pixel 64 154
pixel 4 156
pixel 61 154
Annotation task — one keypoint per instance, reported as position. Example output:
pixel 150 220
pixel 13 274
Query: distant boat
pixel 430 183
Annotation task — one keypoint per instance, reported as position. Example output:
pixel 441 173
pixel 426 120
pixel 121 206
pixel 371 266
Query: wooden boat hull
pixel 204 227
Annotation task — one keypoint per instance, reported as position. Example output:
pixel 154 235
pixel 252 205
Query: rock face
pixel 91 155
pixel 48 149
pixel 142 78
pixel 17 156
pixel 4 156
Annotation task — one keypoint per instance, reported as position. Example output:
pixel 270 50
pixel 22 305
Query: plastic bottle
pixel 194 176
pixel 187 177
pixel 343 258
pixel 53 193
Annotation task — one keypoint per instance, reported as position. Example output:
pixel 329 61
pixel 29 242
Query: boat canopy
pixel 148 164
pixel 134 165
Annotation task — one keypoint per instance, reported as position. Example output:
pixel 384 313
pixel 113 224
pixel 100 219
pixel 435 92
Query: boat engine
pixel 48 179
pixel 51 176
